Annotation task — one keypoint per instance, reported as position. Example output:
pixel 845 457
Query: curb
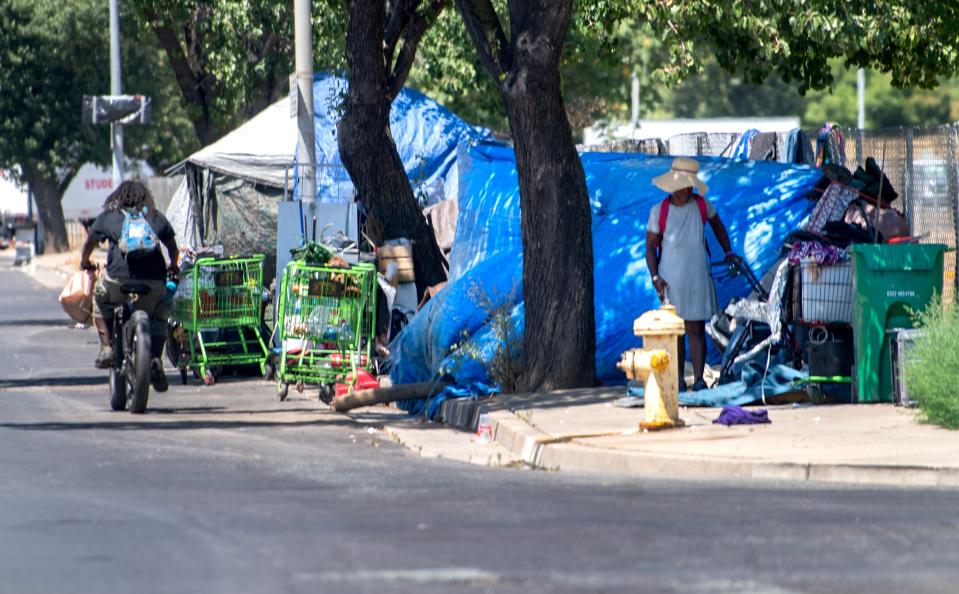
pixel 544 451
pixel 459 447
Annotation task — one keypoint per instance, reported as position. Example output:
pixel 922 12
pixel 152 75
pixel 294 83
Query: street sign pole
pixel 116 128
pixel 305 145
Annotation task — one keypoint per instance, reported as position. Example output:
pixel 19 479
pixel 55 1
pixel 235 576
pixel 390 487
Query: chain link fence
pixel 922 164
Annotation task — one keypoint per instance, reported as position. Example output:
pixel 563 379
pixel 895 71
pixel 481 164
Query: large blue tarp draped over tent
pixel 426 136
pixel 759 201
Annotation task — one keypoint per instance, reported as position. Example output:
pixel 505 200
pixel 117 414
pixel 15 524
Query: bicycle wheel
pixel 139 354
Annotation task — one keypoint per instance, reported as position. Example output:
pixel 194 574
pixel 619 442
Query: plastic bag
pixel 76 298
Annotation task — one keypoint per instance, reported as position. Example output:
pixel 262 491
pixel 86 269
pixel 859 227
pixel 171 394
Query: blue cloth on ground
pixel 780 379
pixel 760 202
pixel 431 406
pixel 737 415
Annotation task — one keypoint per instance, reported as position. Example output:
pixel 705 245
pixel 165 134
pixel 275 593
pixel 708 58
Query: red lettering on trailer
pixel 103 183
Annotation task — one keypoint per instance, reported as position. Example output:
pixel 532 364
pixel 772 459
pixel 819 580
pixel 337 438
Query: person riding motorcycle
pixel 150 270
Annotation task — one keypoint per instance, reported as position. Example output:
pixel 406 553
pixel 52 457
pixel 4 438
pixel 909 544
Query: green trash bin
pixel 889 281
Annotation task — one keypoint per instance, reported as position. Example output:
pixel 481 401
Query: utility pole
pixel 861 98
pixel 116 128
pixel 634 99
pixel 305 143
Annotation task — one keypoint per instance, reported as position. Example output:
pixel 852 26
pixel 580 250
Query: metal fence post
pixel 859 147
pixel 908 189
pixel 953 142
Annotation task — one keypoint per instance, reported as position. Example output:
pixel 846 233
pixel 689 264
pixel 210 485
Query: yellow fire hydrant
pixel 655 365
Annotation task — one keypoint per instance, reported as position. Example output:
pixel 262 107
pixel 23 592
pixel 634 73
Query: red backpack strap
pixel 663 213
pixel 701 203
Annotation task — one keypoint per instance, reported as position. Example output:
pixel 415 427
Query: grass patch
pixel 931 369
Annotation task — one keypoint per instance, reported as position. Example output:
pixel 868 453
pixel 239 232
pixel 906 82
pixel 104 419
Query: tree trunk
pixel 368 151
pixel 47 194
pixel 560 339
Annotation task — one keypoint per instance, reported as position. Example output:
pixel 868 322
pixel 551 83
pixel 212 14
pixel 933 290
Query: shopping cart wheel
pixel 209 378
pixel 269 372
pixel 282 389
pixel 326 393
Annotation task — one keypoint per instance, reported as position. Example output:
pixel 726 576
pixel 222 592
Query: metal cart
pixel 219 305
pixel 325 325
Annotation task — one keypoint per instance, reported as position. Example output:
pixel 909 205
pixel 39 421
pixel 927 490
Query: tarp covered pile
pixel 760 202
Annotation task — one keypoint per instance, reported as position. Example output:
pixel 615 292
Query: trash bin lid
pixel 903 257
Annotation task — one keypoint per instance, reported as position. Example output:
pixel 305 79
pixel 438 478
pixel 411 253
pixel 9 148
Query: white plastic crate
pixel 826 292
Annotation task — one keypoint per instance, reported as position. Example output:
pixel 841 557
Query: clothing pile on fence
pixel 792 147
pixel 830 145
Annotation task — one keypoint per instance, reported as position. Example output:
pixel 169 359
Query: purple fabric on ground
pixel 737 415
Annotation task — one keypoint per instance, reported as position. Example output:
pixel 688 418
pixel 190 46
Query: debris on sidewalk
pixel 737 415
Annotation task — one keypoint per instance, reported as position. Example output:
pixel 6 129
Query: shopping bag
pixel 76 298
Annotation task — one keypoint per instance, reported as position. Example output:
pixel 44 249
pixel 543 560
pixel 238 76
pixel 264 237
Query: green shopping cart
pixel 219 306
pixel 325 324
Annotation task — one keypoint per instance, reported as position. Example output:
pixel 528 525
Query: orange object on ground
pixel 364 381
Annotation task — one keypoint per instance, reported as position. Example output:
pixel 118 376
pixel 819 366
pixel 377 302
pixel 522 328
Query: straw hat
pixel 681 175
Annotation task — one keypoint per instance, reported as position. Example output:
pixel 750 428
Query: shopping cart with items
pixel 325 326
pixel 218 311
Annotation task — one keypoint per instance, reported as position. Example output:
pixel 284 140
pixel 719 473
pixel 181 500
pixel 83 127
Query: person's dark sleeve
pixel 163 228
pixel 98 229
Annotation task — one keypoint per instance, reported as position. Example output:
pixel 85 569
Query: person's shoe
pixel 105 358
pixel 700 385
pixel 682 385
pixel 158 377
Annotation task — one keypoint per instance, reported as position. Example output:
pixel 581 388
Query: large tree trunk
pixel 560 339
pixel 47 194
pixel 559 344
pixel 368 151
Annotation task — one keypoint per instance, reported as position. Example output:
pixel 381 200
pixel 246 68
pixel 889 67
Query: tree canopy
pixel 232 58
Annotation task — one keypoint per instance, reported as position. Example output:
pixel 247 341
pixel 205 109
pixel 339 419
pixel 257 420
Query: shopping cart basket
pixel 325 324
pixel 219 304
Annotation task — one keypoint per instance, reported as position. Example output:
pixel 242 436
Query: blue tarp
pixel 759 201
pixel 426 136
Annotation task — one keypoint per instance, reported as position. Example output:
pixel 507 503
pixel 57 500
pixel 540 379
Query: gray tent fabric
pixel 260 150
pixel 442 217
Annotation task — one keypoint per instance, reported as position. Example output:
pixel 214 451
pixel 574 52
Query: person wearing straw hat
pixel 677 257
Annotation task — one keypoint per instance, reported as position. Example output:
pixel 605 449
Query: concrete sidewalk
pixel 581 430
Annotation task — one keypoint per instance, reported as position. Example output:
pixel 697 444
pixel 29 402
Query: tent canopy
pixel 263 149
pixel 211 207
pixel 260 150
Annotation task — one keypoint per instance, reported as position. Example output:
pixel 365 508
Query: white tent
pixel 260 150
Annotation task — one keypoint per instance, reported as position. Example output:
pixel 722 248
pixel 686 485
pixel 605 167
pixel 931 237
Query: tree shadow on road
pixel 57 322
pixel 40 382
pixel 146 424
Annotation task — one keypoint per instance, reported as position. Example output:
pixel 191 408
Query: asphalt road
pixel 225 489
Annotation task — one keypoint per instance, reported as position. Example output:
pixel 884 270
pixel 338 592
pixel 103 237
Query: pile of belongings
pixel 846 207
pixel 850 208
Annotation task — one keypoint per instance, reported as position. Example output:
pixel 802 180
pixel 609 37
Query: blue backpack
pixel 137 237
